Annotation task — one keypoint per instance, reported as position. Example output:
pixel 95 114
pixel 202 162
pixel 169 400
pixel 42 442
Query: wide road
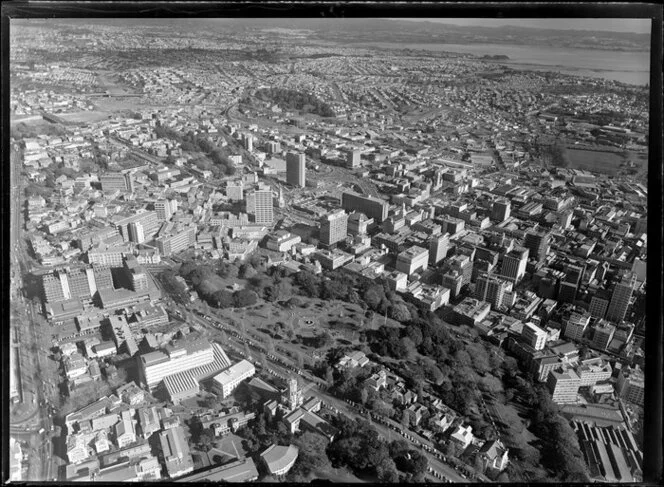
pixel 281 366
pixel 41 464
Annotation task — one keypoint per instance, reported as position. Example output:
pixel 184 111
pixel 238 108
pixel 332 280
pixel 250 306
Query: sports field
pixel 595 161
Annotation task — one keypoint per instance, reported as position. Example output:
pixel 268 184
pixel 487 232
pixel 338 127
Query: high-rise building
pixel 438 247
pixel 294 394
pixel 500 211
pixel 235 190
pixel 67 283
pixel 148 219
pixel 576 325
pixel 598 305
pixel 631 384
pixel 272 147
pixel 353 158
pixel 165 209
pixel 52 291
pixel 570 283
pixel 155 366
pixel 537 243
pixel 79 285
pixel 412 260
pixel 492 289
pixel 453 281
pixel 372 207
pixel 111 256
pixel 295 169
pixel 113 181
pixel 136 233
pixel 248 142
pixel 103 277
pixel 534 336
pixel 564 386
pixel 463 265
pixel 514 264
pixel 453 225
pixel 603 334
pixel 176 242
pixel 622 293
pixel 333 228
pixel 260 205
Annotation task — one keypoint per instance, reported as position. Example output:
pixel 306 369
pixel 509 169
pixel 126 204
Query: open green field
pixel 84 116
pixel 595 161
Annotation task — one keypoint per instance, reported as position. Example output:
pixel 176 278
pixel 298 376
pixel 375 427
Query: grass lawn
pixel 342 320
pixel 337 475
pixel 595 161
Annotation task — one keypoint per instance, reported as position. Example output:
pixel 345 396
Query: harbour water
pixel 632 67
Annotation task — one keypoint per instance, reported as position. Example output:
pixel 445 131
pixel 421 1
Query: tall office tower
pixel 438 247
pixel 563 385
pixel 248 142
pixel 599 304
pixel 164 209
pixel 235 190
pixel 77 280
pixel 353 158
pixel 294 394
pixel 139 280
pixel 537 243
pixel 148 220
pixel 136 232
pixel 463 265
pixel 492 290
pixel 260 205
pixel 622 293
pixel 514 264
pixel 500 211
pixel 576 325
pixel 603 335
pixel 534 336
pixel 272 147
pixel 412 260
pixel 52 291
pixel 113 181
pixel 372 207
pixel 570 284
pixel 295 169
pixel 333 228
pixel 453 225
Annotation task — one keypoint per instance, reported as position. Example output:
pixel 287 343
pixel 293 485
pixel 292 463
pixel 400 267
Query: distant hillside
pixel 353 30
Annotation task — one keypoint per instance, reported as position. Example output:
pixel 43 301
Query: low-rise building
pixel 278 460
pixel 226 381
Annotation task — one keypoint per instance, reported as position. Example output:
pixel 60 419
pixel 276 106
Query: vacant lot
pixel 595 161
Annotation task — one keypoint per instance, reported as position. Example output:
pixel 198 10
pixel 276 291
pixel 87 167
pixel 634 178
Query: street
pixel 32 344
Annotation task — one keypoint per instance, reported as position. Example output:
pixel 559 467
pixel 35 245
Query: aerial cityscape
pixel 354 250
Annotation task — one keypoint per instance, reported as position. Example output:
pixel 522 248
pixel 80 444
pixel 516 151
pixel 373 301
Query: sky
pixel 640 26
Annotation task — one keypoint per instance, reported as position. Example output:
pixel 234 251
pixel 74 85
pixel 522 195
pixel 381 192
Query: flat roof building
pixel 226 381
pixel 372 207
